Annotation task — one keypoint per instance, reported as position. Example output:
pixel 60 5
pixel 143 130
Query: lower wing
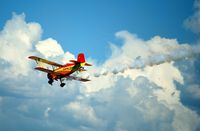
pixel 56 73
pixel 47 70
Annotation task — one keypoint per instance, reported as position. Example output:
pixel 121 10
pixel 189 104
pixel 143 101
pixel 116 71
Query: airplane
pixel 62 71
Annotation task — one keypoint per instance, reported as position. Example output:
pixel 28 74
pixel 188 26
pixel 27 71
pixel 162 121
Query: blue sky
pixel 145 57
pixel 88 26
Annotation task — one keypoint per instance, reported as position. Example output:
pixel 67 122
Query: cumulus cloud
pixel 49 48
pixel 161 83
pixel 141 98
pixel 16 41
pixel 83 113
pixel 193 22
pixel 146 53
pixel 67 57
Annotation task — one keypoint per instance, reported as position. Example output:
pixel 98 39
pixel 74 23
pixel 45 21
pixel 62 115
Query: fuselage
pixel 66 70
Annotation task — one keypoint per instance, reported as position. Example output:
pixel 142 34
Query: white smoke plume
pixel 157 51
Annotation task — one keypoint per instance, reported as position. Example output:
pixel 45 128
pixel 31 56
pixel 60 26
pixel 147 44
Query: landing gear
pixel 50 82
pixel 50 79
pixel 62 84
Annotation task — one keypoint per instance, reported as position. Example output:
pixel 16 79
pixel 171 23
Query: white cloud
pixel 20 39
pixel 160 85
pixel 133 99
pixel 137 53
pixel 185 119
pixel 193 22
pixel 49 48
pixel 84 113
pixel 67 57
pixel 16 41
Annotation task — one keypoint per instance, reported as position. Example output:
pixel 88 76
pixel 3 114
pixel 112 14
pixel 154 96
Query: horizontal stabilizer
pixel 79 78
pixel 86 64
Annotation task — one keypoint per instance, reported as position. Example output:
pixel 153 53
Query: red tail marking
pixel 81 58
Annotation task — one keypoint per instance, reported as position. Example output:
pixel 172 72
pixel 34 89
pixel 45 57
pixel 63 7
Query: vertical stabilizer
pixel 81 58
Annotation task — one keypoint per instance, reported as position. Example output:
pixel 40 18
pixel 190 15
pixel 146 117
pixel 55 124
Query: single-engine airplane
pixel 62 71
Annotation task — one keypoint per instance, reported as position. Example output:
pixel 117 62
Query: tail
pixel 81 59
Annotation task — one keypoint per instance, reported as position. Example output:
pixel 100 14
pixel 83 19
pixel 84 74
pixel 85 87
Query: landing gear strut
pixel 50 79
pixel 61 84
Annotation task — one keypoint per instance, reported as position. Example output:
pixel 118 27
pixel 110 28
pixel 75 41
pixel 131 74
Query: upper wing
pixel 47 70
pixel 44 61
pixel 78 78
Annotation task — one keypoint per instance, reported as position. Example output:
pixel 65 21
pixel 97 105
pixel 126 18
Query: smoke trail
pixel 182 52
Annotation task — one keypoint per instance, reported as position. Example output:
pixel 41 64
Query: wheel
pixel 62 84
pixel 50 82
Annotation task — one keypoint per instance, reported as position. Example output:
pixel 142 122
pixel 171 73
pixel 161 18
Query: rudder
pixel 81 58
